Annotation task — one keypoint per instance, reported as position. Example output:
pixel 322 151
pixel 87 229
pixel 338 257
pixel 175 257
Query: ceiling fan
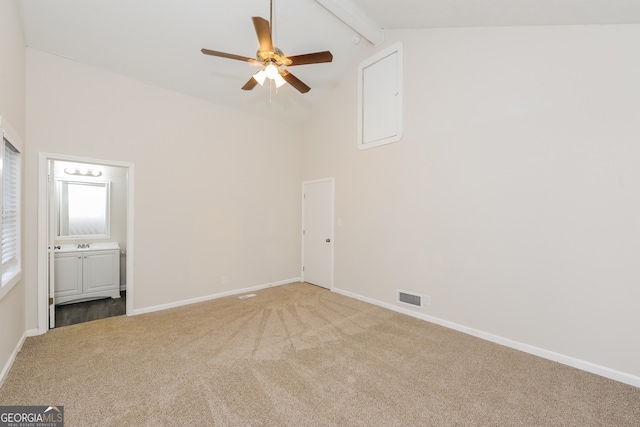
pixel 272 58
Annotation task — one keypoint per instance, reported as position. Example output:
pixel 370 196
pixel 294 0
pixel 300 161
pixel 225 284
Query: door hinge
pixel 304 232
pixel 50 301
pixel 303 268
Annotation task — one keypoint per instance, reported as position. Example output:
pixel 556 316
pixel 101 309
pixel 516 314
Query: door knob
pixel 328 240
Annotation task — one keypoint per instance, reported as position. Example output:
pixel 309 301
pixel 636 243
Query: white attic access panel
pixel 380 98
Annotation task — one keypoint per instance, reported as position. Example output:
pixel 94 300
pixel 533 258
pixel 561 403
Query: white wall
pixel 12 64
pixel 216 191
pixel 12 109
pixel 512 199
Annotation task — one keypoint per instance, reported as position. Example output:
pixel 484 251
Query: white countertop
pixel 73 247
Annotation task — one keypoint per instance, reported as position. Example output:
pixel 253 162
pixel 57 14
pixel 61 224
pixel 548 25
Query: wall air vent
pixel 415 300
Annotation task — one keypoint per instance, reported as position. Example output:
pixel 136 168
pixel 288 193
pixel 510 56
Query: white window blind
pixel 10 202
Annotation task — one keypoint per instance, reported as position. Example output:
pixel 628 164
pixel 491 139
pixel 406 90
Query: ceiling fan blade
pixel 229 56
pixel 263 31
pixel 311 58
pixel 294 81
pixel 250 84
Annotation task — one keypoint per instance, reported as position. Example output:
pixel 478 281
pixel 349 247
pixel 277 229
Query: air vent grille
pixel 410 298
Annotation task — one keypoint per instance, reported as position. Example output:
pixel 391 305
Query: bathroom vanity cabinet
pixel 87 273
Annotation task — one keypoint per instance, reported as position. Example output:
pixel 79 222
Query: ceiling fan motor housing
pixel 276 57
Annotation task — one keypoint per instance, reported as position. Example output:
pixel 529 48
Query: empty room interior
pixel 431 206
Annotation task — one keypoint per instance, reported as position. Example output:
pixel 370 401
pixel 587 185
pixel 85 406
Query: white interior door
pixel 51 239
pixel 317 233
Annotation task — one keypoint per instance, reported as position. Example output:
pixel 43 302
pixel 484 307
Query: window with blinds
pixel 10 202
pixel 10 198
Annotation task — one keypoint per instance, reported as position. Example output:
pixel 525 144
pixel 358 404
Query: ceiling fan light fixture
pixel 279 80
pixel 260 77
pixel 271 71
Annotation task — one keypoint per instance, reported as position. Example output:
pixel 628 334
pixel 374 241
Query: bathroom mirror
pixel 83 209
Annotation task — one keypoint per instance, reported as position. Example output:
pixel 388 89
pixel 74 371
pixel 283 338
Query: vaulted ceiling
pixel 159 41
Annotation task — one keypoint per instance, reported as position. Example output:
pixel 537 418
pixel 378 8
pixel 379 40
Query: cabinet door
pixel 101 271
pixel 68 275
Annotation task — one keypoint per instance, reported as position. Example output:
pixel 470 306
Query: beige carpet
pixel 299 355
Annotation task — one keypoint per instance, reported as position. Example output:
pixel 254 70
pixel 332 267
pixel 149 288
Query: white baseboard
pixel 34 332
pixel 210 297
pixel 12 358
pixel 593 368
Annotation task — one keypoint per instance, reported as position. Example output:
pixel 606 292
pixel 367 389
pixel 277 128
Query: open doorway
pixel 85 240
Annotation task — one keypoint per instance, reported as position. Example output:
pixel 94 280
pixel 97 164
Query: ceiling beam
pixel 355 18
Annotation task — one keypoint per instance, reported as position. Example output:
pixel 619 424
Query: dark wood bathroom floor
pixel 79 312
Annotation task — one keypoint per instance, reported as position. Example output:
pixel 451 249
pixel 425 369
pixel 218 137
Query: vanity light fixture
pixel 82 172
